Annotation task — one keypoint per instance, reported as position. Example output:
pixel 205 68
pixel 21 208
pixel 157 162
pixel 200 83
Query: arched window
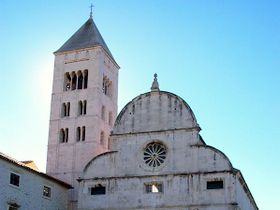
pixel 83 133
pixel 74 80
pixel 61 136
pixel 67 81
pixel 85 79
pixel 102 137
pixel 80 108
pixel 107 86
pixel 78 134
pixel 80 80
pixel 63 110
pixel 85 107
pixel 103 113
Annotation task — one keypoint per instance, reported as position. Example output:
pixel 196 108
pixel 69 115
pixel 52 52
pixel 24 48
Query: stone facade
pixel 33 190
pixel 189 174
pixel 66 160
pixel 153 157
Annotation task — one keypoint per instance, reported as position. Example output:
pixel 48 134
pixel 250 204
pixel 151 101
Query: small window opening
pixel 107 86
pixel 215 185
pixel 83 133
pixel 78 134
pixel 85 79
pixel 47 191
pixel 153 188
pixel 66 135
pixel 80 107
pixel 62 136
pixel 14 179
pixel 64 110
pixel 85 107
pixel 67 81
pixel 13 206
pixel 68 109
pixel 98 190
pixel 74 80
pixel 80 80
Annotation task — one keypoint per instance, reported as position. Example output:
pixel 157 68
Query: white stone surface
pixel 66 160
pixel 29 194
pixel 161 117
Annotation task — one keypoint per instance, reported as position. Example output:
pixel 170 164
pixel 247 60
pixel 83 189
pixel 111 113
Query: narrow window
pixel 102 137
pixel 85 79
pixel 47 191
pixel 62 136
pixel 80 107
pixel 98 190
pixel 153 187
pixel 103 113
pixel 104 89
pixel 66 135
pixel 74 80
pixel 106 86
pixel 14 179
pixel 67 81
pixel 85 107
pixel 215 185
pixel 64 110
pixel 110 118
pixel 78 134
pixel 68 109
pixel 80 80
pixel 83 133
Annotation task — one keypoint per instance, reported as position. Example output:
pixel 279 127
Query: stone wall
pixel 29 193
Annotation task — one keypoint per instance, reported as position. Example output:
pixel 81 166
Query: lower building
pixel 23 188
pixel 158 160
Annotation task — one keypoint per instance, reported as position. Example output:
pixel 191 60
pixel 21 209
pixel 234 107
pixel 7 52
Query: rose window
pixel 154 154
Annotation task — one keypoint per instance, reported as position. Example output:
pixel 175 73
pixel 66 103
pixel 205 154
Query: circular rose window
pixel 154 154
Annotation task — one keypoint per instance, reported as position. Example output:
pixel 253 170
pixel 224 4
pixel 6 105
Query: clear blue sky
pixel 221 56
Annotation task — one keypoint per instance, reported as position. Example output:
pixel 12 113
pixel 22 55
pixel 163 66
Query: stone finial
pixel 155 86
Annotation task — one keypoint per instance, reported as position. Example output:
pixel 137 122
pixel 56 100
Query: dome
pixel 155 111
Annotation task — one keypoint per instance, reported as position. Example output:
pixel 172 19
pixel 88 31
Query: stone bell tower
pixel 83 105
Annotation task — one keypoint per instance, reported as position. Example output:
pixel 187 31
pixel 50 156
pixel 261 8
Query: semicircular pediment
pixel 155 111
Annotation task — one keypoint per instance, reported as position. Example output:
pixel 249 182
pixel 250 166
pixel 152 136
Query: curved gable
pixel 100 164
pixel 154 111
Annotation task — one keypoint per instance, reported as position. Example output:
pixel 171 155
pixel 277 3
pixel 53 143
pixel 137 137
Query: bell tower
pixel 83 105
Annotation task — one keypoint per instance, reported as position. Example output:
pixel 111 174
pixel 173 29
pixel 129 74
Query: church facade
pixel 150 156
